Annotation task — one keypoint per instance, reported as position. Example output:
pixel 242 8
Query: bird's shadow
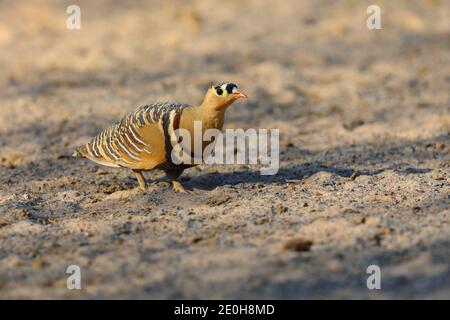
pixel 349 161
pixel 294 173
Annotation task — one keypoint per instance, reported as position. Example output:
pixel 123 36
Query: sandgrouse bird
pixel 141 141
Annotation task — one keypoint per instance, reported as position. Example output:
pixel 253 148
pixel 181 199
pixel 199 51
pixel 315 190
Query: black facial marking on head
pixel 230 87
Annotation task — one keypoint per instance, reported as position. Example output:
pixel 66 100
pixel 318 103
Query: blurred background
pixel 370 105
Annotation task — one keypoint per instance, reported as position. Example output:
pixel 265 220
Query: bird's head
pixel 221 95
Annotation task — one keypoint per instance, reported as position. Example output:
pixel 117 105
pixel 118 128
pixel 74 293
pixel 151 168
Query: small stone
pixel 279 209
pixel 196 239
pixel 38 263
pixel 351 125
pixel 360 220
pixel 298 245
pixel 217 200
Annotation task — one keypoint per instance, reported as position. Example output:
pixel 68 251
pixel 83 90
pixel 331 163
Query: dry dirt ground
pixel 365 150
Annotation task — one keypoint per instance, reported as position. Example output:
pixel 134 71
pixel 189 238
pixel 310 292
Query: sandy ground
pixel 365 150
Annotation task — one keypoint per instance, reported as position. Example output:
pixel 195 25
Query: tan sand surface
pixel 364 119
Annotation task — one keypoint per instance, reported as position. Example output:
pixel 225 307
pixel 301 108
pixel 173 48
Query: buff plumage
pixel 142 140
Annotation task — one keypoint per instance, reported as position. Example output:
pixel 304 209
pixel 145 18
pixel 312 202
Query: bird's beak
pixel 240 95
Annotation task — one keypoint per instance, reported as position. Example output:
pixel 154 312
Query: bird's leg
pixel 177 186
pixel 140 178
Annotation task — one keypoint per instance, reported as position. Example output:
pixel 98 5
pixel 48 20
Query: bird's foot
pixel 178 187
pixel 141 180
pixel 142 187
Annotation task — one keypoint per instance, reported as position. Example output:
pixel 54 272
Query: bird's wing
pixel 139 140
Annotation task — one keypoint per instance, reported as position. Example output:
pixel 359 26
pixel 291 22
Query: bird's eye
pixel 219 91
